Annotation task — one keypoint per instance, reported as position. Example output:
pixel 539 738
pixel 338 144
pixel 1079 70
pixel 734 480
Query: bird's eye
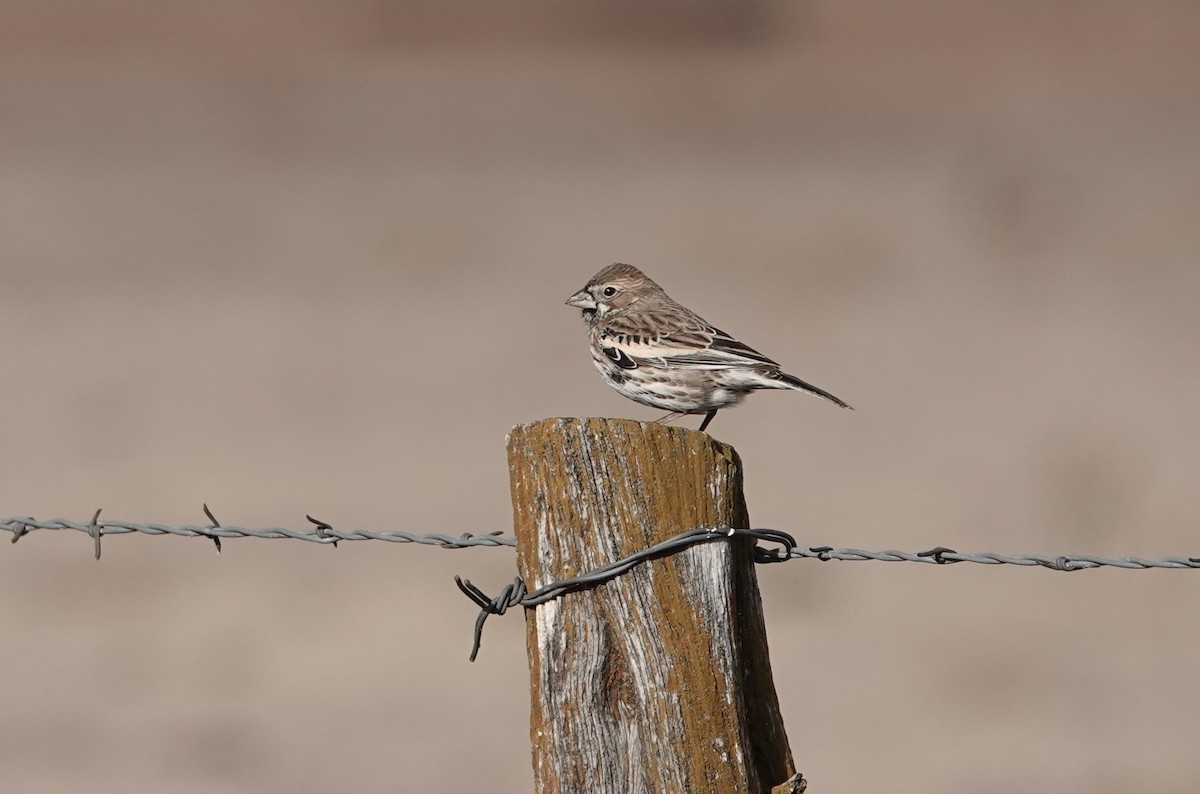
pixel 610 291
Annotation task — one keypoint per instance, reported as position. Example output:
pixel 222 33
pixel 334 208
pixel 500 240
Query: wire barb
pixel 215 525
pixel 938 555
pixel 94 530
pixel 323 530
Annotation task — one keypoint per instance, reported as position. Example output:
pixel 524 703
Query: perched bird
pixel 662 354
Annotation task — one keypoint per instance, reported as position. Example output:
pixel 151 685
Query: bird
pixel 660 353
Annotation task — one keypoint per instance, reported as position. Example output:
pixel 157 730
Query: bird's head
pixel 614 288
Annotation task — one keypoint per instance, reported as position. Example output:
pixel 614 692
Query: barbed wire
pixel 941 555
pixel 323 532
pixel 516 593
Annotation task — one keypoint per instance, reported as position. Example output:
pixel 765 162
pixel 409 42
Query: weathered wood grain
pixel 660 680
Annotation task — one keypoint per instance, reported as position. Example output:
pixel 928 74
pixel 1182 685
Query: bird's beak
pixel 582 300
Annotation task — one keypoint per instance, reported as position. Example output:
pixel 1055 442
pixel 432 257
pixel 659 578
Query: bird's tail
pixel 792 382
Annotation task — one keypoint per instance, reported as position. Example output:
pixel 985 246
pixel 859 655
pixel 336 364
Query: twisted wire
pixel 322 532
pixel 941 555
pixel 516 594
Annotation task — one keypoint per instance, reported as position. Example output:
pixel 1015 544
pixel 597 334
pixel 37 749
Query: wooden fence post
pixel 657 681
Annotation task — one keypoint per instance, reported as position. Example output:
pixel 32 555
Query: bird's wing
pixel 727 345
pixel 696 346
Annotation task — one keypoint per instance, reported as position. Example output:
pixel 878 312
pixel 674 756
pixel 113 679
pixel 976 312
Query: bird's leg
pixel 708 417
pixel 671 417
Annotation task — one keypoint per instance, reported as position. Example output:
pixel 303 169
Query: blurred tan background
pixel 310 257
